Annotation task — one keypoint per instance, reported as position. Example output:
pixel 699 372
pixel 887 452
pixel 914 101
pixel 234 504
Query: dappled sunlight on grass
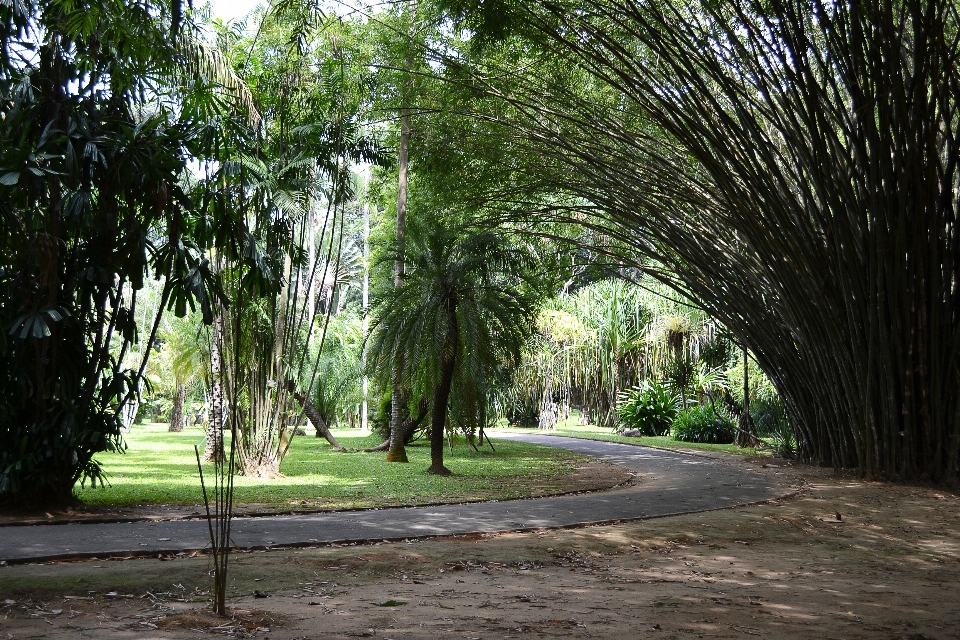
pixel 160 467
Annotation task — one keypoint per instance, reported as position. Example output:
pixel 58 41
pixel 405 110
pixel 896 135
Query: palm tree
pixel 464 309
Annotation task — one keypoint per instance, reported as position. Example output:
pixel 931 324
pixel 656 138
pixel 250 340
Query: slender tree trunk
pixel 402 181
pixel 397 451
pixel 548 408
pixel 213 452
pixel 409 426
pixel 312 266
pixel 176 416
pixel 745 436
pixel 383 446
pixel 442 395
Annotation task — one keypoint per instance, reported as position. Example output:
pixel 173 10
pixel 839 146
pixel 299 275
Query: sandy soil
pixel 590 476
pixel 887 567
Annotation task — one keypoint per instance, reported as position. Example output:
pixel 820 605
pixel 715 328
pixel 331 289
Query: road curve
pixel 669 483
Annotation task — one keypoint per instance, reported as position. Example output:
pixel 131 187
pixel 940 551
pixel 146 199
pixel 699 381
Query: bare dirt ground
pixel 589 476
pixel 887 567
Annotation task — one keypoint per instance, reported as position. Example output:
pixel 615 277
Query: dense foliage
pixel 95 196
pixel 703 423
pixel 583 205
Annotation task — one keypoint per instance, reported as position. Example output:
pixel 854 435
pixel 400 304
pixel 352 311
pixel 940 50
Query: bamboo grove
pixel 793 166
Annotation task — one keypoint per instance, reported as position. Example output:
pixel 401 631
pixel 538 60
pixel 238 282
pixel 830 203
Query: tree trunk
pixel 406 432
pixel 548 409
pixel 176 416
pixel 213 452
pixel 383 446
pixel 745 436
pixel 442 395
pixel 312 265
pixel 317 420
pixel 397 451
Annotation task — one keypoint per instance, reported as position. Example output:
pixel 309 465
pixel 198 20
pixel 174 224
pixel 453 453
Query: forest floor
pixel 841 558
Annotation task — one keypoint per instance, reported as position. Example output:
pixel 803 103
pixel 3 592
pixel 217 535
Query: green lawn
pixel 160 468
pixel 574 429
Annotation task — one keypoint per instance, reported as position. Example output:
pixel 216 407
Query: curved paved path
pixel 670 483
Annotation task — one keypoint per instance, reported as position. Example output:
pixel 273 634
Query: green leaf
pixel 10 179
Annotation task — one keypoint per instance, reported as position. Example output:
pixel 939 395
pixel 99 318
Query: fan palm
pixel 462 311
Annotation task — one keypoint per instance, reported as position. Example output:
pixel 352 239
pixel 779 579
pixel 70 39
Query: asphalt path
pixel 668 483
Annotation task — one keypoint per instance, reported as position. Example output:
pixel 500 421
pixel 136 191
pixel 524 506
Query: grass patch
pixel 573 429
pixel 159 467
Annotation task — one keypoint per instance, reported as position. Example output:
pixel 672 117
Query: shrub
pixel 784 441
pixel 649 409
pixel 704 423
pixel 522 412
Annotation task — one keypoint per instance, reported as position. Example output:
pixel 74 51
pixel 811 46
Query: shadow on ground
pixel 888 568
